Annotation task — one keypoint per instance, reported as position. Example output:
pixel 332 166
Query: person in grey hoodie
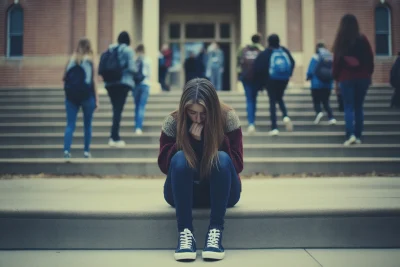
pixel 118 91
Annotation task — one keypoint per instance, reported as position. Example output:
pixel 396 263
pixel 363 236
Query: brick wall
pixel 294 22
pixel 105 24
pixel 329 13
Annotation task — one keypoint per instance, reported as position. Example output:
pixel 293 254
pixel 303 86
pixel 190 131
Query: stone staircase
pixel 32 123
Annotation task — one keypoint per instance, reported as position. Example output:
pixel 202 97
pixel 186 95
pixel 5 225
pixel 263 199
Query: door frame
pixel 216 19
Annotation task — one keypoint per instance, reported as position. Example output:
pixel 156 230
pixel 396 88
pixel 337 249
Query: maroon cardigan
pixel 232 144
pixel 364 51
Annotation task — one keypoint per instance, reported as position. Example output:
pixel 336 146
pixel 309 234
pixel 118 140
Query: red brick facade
pixel 52 28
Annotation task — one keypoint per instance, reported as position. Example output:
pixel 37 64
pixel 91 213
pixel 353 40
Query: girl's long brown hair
pixel 84 49
pixel 202 92
pixel 346 36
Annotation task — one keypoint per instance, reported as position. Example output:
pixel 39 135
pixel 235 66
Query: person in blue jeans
pixel 353 66
pixel 215 65
pixel 141 90
pixel 82 57
pixel 246 57
pixel 321 89
pixel 201 152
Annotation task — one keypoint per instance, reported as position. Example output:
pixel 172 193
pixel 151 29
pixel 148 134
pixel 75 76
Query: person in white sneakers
pixel 273 69
pixel 201 152
pixel 320 74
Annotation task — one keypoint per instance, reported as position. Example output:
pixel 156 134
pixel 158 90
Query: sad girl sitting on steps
pixel 201 151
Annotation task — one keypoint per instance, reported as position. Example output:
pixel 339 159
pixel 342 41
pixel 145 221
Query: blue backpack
pixel 75 88
pixel 280 67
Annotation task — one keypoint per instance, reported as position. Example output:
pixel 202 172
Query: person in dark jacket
pixel 273 69
pixel 353 65
pixel 395 82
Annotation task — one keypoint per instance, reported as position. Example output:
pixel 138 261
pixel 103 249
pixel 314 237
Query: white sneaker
pixel 274 132
pixel 358 141
pixel 288 124
pixel 119 143
pixel 139 131
pixel 350 141
pixel 318 118
pixel 251 128
pixel 332 122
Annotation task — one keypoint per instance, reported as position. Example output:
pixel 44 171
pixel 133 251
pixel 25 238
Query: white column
pixel 277 19
pixel 248 20
pixel 151 31
pixel 308 28
pixel 122 18
pixel 92 13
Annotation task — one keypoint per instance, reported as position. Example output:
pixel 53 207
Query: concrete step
pixel 233 258
pixel 76 214
pixel 99 138
pixel 149 167
pixel 250 150
pixel 168 108
pixel 154 116
pixel 45 127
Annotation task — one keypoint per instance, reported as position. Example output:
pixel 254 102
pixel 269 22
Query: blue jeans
pixel 216 78
pixel 276 90
pixel 353 93
pixel 140 95
pixel 219 191
pixel 88 108
pixel 251 92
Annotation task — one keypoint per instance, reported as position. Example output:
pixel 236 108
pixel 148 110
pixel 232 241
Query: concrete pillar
pixel 308 28
pixel 123 18
pixel 248 20
pixel 92 13
pixel 151 42
pixel 277 19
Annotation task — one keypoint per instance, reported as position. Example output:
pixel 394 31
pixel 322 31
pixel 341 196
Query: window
pixel 383 38
pixel 199 31
pixel 15 30
pixel 174 31
pixel 225 30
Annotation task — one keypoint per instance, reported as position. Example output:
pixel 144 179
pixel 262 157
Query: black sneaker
pixel 186 249
pixel 213 249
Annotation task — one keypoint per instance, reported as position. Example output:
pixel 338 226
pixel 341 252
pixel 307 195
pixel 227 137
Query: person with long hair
pixel 81 91
pixel 353 66
pixel 201 151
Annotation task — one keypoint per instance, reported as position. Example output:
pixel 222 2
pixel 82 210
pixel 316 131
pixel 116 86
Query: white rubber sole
pixel 185 256
pixel 210 255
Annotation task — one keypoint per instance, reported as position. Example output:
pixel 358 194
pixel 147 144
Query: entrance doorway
pixel 190 35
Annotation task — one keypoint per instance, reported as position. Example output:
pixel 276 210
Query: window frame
pixel 8 50
pixel 388 33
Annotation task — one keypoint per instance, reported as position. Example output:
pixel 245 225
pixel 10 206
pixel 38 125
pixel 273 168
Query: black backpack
pixel 110 67
pixel 138 76
pixel 248 56
pixel 75 88
pixel 323 69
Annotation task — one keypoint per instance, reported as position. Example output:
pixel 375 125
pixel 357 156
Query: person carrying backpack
pixel 141 90
pixel 273 69
pixel 80 91
pixel 320 74
pixel 395 82
pixel 117 67
pixel 246 57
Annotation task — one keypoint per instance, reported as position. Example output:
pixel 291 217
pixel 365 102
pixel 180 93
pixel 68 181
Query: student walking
pixel 320 74
pixel 80 92
pixel 117 67
pixel 395 82
pixel 246 57
pixel 201 151
pixel 353 65
pixel 215 65
pixel 141 90
pixel 273 69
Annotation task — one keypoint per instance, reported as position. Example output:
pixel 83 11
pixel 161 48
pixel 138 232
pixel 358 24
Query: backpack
pixel 138 75
pixel 75 88
pixel 109 67
pixel 280 65
pixel 323 69
pixel 249 55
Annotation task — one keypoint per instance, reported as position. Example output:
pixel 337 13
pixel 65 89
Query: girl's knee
pixel 224 159
pixel 178 161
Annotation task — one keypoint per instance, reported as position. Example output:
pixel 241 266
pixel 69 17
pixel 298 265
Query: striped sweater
pixel 232 143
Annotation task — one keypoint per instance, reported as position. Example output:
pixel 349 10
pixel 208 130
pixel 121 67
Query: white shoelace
pixel 186 239
pixel 213 238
